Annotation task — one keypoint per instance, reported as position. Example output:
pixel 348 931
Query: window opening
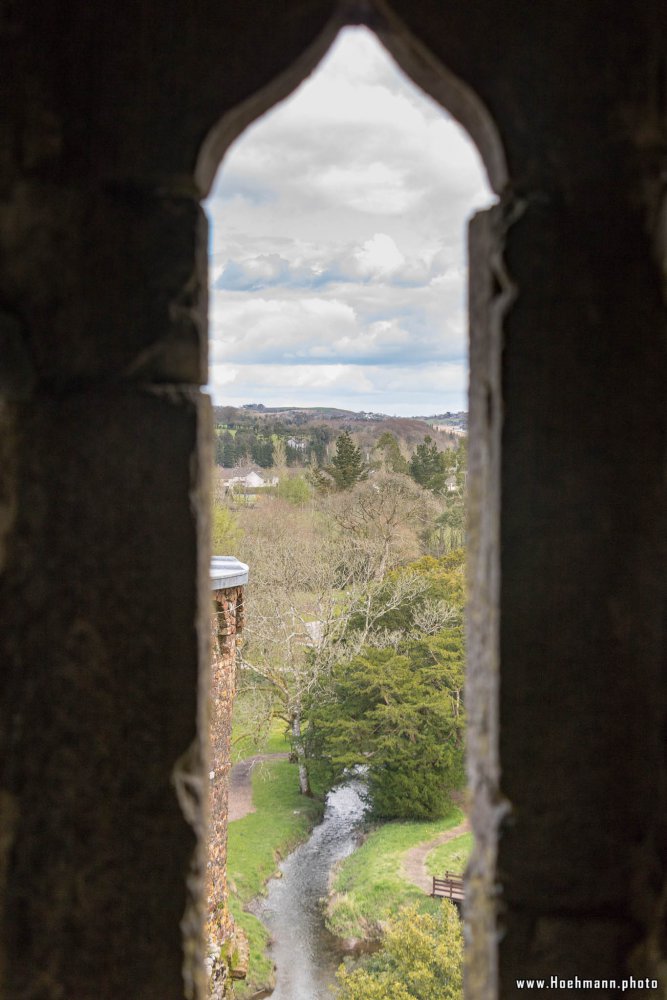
pixel 338 349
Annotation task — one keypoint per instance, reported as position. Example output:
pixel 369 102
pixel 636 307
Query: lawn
pixel 451 857
pixel 369 886
pixel 248 740
pixel 282 820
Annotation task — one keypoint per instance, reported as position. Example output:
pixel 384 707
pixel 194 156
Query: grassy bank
pixel 369 885
pixel 452 857
pixel 283 819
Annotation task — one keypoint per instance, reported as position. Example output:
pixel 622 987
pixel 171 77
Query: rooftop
pixel 227 571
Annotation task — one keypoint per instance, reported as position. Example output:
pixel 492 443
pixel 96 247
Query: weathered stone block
pixel 106 285
pixel 100 654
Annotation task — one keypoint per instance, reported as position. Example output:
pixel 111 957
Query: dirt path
pixel 414 868
pixel 240 784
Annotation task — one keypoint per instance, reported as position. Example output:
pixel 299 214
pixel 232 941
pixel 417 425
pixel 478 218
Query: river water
pixel 305 954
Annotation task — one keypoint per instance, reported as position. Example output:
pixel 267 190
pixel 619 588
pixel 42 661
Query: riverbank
pixel 307 956
pixel 368 887
pixel 282 819
pixel 371 885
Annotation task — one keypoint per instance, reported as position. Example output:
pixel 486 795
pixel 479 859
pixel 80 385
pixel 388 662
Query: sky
pixel 337 245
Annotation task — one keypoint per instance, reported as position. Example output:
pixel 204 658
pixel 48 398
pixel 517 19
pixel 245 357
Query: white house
pixel 252 481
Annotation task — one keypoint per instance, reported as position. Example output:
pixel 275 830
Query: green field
pixel 369 885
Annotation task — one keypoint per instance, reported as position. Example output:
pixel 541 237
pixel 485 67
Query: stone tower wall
pixel 226 626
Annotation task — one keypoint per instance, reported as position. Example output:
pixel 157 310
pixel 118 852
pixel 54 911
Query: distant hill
pixel 322 411
pixel 250 432
pixel 457 422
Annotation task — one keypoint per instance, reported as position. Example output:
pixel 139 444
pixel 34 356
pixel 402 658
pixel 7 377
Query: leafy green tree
pixel 347 466
pixel 441 599
pixel 295 489
pixel 393 712
pixel 445 575
pixel 226 533
pixel 363 985
pixel 421 959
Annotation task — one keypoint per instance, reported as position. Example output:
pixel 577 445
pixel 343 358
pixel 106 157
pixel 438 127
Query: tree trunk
pixel 304 780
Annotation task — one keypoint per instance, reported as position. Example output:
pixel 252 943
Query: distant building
pixel 450 429
pixel 250 479
pixel 253 481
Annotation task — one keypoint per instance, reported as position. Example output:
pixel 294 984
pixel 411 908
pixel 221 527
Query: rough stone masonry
pixel 226 945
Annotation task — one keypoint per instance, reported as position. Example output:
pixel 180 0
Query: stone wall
pixel 114 119
pixel 226 625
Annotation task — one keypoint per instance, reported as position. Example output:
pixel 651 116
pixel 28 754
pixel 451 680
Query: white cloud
pixel 379 256
pixel 338 240
pixel 382 389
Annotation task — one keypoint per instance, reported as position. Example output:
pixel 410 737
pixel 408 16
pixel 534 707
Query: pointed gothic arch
pixel 491 293
pixel 104 437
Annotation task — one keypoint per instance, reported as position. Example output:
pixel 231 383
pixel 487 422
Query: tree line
pixel 249 436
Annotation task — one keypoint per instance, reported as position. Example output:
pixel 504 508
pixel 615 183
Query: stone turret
pixel 227 948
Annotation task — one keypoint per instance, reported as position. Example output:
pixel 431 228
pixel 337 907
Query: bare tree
pixel 316 596
pixel 385 516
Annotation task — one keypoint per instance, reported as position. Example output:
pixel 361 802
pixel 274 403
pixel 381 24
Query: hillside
pixel 249 434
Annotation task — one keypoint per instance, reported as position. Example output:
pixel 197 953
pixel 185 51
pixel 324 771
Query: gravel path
pixel 414 867
pixel 240 784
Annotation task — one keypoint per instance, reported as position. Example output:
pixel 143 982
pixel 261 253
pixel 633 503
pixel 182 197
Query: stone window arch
pixel 490 295
pixel 104 447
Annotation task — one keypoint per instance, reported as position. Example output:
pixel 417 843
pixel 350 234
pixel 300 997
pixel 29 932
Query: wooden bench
pixel 449 886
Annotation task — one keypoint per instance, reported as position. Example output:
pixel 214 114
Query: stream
pixel 306 955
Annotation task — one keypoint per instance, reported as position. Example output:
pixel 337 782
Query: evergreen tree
pixel 320 435
pixel 427 466
pixel 228 450
pixel 318 451
pixel 219 445
pixel 244 442
pixel 401 716
pixel 347 467
pixel 262 452
pixel 316 477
